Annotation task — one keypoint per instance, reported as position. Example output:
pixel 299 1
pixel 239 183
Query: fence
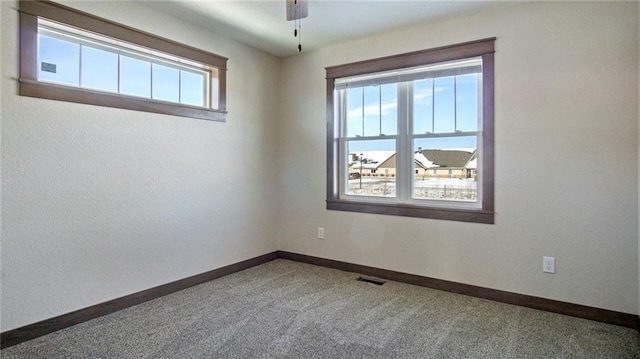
pixel 455 189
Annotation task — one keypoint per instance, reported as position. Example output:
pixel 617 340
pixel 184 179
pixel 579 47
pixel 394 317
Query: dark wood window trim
pixel 30 86
pixel 484 48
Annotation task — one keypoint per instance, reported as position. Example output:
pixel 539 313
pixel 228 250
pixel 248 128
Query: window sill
pixel 50 91
pixel 394 209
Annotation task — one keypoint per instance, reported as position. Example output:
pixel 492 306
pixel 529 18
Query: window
pixel 72 56
pixel 422 121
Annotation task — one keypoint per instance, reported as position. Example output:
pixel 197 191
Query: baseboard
pixel 549 305
pixel 32 331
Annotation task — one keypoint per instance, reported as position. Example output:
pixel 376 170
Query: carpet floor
pixel 286 309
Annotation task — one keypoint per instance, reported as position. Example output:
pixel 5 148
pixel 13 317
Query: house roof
pixel 452 158
pixel 427 159
pixel 423 162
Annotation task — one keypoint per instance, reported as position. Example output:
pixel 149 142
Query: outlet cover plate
pixel 549 265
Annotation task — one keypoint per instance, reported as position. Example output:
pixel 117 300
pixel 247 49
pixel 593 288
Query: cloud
pixel 421 95
pixel 373 110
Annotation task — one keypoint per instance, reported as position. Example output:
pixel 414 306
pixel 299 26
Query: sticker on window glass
pixel 48 67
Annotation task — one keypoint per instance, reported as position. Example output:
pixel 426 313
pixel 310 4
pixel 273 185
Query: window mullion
pixel 342 146
pixel 403 145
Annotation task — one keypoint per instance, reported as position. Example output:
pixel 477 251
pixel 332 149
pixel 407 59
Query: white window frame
pixel 94 41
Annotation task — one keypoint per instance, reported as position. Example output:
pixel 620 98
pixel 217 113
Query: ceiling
pixel 262 23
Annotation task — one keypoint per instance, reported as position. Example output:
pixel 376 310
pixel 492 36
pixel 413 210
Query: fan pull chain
pixel 299 37
pixel 296 32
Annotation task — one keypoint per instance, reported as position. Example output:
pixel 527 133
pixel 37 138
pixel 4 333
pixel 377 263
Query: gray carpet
pixel 285 309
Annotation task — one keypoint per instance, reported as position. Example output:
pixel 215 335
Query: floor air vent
pixel 375 281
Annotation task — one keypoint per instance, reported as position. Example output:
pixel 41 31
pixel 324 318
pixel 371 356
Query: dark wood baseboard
pixel 32 331
pixel 549 305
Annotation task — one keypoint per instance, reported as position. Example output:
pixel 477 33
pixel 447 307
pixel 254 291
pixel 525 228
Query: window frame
pixel 30 86
pixel 484 48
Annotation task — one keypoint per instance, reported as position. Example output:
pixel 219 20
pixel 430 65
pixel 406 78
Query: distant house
pixel 452 163
pixel 372 163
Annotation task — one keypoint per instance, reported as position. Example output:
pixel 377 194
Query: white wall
pixel 566 159
pixel 98 203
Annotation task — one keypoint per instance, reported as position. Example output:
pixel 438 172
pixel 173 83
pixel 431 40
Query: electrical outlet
pixel 549 265
pixel 320 233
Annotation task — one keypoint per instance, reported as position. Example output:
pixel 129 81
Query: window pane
pixel 99 69
pixel 166 83
pixel 371 168
pixel 467 102
pixel 445 168
pixel 135 77
pixel 372 119
pixel 444 108
pixel 192 88
pixel 423 106
pixel 389 109
pixel 372 110
pixel 58 60
pixel 354 112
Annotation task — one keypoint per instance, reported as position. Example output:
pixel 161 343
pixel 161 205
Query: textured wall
pixel 566 159
pixel 98 203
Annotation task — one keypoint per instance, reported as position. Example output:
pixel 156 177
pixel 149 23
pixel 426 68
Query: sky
pixel 440 105
pixel 85 66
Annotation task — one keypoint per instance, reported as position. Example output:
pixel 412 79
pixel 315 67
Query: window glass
pixel 371 110
pixel 192 88
pixel 165 83
pixel 467 109
pixel 371 168
pixel 423 106
pixel 444 105
pixel 355 112
pixel 99 69
pixel 58 60
pixel 445 168
pixel 135 77
pixel 389 109
pixel 69 58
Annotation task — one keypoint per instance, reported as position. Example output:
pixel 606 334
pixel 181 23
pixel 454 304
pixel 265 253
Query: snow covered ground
pixel 433 188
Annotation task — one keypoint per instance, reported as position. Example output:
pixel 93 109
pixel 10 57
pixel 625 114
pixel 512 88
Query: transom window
pixel 416 139
pixel 72 56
